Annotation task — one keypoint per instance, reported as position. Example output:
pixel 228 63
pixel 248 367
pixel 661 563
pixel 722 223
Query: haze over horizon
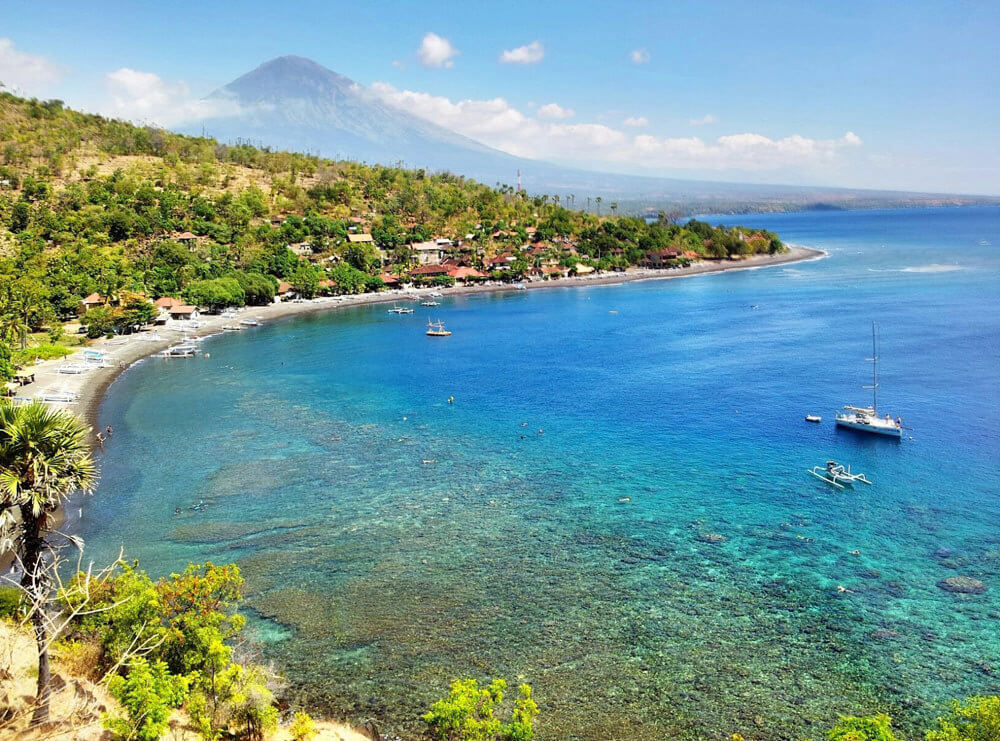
pixel 895 97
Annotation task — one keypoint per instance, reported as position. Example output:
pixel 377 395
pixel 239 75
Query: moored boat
pixel 867 419
pixel 436 329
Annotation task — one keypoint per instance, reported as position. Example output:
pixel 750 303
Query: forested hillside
pixel 91 205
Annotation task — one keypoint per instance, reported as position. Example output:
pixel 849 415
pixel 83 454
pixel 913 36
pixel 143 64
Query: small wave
pixel 935 268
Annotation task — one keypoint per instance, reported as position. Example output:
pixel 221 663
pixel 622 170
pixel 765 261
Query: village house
pixel 302 249
pixel 93 300
pixel 464 274
pixel 428 253
pixel 429 271
pixel 182 312
pixel 285 290
pixel 658 259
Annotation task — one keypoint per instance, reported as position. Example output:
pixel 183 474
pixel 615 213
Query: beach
pixel 91 386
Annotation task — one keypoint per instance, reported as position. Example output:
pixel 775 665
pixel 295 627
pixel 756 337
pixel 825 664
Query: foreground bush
pixel 467 713
pixel 875 728
pixel 977 719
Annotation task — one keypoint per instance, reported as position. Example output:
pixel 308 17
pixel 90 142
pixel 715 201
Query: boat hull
pixel 886 431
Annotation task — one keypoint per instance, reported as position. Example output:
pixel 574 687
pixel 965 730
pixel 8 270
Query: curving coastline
pixel 92 386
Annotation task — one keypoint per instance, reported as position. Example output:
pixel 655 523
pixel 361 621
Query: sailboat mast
pixel 874 372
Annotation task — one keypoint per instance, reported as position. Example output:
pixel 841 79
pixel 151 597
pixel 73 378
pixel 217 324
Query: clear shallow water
pixel 377 579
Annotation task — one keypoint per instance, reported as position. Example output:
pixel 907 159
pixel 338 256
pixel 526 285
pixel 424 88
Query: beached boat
pixel 836 474
pixel 180 351
pixel 74 368
pixel 250 322
pixel 58 396
pixel 400 310
pixel 867 419
pixel 232 328
pixel 436 329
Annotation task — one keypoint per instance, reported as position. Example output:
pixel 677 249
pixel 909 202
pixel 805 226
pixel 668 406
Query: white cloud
pixel 636 121
pixel 397 64
pixel 148 98
pixel 527 54
pixel 436 51
pixel 19 69
pixel 639 56
pixel 554 110
pixel 499 124
pixel 705 120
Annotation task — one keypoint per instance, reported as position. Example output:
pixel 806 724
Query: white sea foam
pixel 934 268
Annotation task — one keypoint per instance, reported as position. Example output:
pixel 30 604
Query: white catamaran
pixel 867 419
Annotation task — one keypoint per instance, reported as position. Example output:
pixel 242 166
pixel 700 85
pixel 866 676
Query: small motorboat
pixel 400 310
pixel 429 302
pixel 813 418
pixel 232 328
pixel 250 322
pixel 436 329
pixel 836 474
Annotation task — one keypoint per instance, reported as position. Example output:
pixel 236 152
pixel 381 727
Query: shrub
pixel 10 602
pixel 45 352
pixel 81 658
pixel 302 728
pixel 977 719
pixel 148 694
pixel 850 728
pixel 468 713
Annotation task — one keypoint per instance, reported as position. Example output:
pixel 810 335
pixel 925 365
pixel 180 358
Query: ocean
pixel 616 506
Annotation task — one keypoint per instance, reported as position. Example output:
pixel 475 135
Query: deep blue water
pixel 376 578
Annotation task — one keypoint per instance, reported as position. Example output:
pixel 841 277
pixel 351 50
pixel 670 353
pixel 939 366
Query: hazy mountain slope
pixel 296 104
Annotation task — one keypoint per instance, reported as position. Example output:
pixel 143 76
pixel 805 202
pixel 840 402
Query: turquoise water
pixel 375 579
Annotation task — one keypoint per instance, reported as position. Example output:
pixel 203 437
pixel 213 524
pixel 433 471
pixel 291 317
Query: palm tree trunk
pixel 34 584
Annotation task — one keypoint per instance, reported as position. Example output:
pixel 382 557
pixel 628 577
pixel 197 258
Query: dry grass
pixel 78 703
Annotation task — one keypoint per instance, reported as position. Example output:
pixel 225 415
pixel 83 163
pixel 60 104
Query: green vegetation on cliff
pixel 96 206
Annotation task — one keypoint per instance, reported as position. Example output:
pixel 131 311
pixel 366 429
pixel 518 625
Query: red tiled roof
pixel 165 302
pixel 388 278
pixel 186 236
pixel 181 309
pixel 460 273
pixel 430 270
pixel 284 287
pixel 94 298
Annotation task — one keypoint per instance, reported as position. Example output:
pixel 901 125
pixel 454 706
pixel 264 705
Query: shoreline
pixel 92 385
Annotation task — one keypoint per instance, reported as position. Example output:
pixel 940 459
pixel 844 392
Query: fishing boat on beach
pixel 250 322
pixel 232 328
pixel 188 350
pixel 867 419
pixel 836 474
pixel 436 329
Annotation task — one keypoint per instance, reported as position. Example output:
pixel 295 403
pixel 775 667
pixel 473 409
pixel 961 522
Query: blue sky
pixel 873 94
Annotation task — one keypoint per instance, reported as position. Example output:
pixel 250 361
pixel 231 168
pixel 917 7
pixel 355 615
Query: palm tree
pixel 44 458
pixel 598 199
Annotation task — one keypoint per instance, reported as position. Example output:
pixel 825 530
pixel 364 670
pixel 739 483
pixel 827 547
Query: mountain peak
pixel 289 76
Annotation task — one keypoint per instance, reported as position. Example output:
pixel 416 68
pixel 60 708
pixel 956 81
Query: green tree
pixel 305 280
pixel 148 693
pixel 851 728
pixel 976 719
pixel 44 458
pixel 468 713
